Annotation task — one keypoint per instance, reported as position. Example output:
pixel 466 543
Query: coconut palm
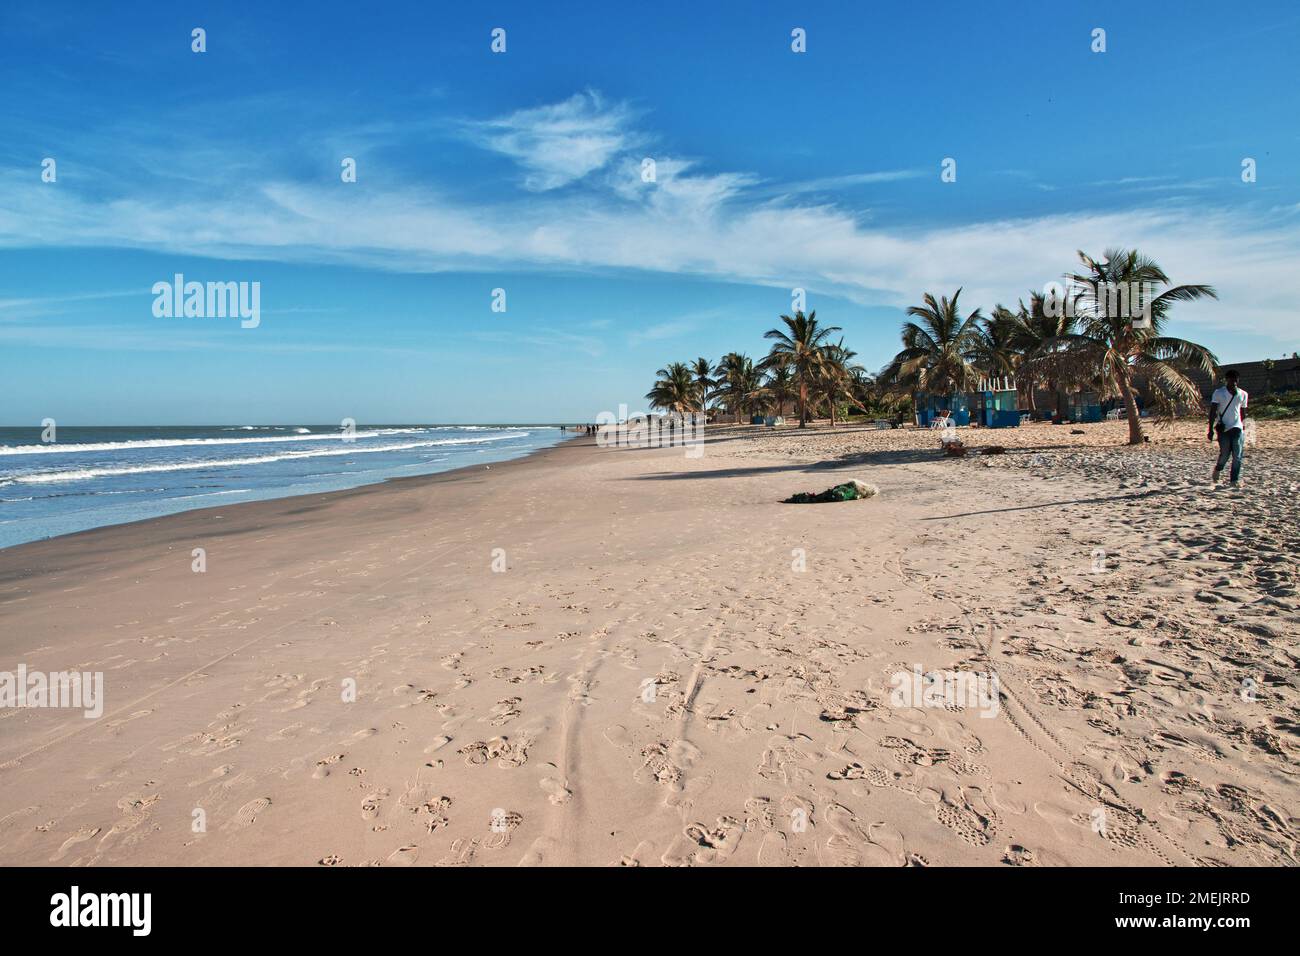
pixel 1038 331
pixel 799 346
pixel 994 348
pixel 674 391
pixel 866 391
pixel 836 375
pixel 935 350
pixel 779 385
pixel 702 369
pixel 737 382
pixel 1111 345
pixel 753 397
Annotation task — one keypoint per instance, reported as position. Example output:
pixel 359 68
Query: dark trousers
pixel 1231 443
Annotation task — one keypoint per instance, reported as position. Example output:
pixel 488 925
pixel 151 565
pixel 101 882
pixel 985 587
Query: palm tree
pixel 800 347
pixel 702 369
pixel 1038 331
pixel 935 351
pixel 836 375
pixel 675 389
pixel 994 348
pixel 1112 346
pixel 865 390
pixel 737 382
pixel 779 385
pixel 753 397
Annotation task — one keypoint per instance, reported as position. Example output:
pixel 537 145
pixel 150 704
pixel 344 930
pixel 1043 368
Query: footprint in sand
pixel 540 853
pixel 759 814
pixel 501 825
pixel 659 767
pixel 644 850
pixel 774 850
pixel 505 711
pixel 556 791
pixel 323 765
pixel 701 843
pixel 247 815
pixel 850 842
pixel 371 804
pixel 618 736
pixel 136 810
pixel 81 836
pixel 1016 855
pixel 786 763
pixel 507 753
pixel 404 856
pixel 217 772
pixel 287 733
pixel 967 815
pixel 461 854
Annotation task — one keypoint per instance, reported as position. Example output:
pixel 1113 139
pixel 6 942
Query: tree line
pixel 1083 337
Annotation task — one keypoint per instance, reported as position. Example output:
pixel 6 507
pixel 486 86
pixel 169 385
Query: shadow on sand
pixel 1039 506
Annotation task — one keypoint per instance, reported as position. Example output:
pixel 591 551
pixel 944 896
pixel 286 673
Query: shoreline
pixel 197 512
pixel 271 493
pixel 672 667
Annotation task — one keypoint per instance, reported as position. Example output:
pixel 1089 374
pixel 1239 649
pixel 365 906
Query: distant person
pixel 1228 421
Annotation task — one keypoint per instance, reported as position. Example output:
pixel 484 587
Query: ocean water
pixel 91 477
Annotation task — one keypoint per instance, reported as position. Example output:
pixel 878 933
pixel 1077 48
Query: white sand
pixel 653 680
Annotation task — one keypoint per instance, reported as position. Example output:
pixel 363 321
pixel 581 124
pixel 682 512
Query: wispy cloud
pixel 674 328
pixel 31 306
pixel 847 181
pixel 562 142
pixel 689 220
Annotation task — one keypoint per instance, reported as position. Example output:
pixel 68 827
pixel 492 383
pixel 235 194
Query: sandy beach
pixel 630 657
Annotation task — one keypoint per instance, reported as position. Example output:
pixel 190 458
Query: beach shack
pixel 996 403
pixel 1084 407
pixel 930 407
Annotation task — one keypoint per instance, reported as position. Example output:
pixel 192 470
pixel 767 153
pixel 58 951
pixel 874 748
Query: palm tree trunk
pixel 1130 405
pixel 803 403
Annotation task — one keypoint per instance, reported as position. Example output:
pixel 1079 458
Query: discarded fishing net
pixel 849 491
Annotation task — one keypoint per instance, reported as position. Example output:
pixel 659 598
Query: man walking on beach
pixel 1228 419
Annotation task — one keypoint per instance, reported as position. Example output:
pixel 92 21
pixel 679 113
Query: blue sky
pixel 522 171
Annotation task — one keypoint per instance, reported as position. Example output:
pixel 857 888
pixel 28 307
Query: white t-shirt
pixel 1227 407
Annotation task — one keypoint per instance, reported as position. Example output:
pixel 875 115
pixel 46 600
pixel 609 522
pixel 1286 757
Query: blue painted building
pixel 996 404
pixel 929 407
pixel 1084 407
